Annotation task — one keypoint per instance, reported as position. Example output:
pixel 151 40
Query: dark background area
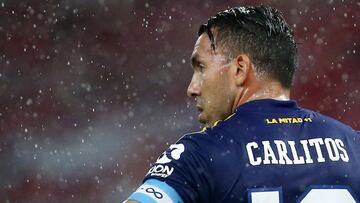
pixel 93 91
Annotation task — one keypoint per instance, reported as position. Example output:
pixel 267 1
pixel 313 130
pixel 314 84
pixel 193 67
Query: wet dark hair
pixel 260 32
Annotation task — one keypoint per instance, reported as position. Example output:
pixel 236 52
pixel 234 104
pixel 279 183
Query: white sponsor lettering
pixel 175 152
pixel 161 170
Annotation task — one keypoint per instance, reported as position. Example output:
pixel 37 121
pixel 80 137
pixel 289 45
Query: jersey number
pixel 330 194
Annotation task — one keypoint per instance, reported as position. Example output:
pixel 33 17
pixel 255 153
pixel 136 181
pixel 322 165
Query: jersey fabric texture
pixel 266 145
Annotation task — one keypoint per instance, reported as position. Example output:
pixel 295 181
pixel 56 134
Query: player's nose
pixel 194 88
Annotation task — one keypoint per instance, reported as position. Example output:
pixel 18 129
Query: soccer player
pixel 258 145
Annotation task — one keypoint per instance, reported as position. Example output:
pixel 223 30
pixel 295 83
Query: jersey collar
pixel 268 105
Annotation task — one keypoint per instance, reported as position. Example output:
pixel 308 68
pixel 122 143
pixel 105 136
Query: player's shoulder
pixel 214 131
pixel 330 121
pixel 201 138
pixel 208 138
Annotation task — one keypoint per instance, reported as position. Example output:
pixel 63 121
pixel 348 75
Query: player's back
pixel 267 151
pixel 275 151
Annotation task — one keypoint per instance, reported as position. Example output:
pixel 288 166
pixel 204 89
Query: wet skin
pixel 211 83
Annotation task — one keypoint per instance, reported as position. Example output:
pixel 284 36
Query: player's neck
pixel 261 90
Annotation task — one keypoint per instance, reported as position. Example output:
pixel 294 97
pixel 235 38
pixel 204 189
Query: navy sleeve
pixel 184 166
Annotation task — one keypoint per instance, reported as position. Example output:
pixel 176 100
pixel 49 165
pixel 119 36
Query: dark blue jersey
pixel 268 150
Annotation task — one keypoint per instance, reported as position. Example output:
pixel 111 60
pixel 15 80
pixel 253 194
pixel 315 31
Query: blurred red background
pixel 92 91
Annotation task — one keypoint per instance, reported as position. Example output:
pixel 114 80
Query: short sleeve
pixel 184 166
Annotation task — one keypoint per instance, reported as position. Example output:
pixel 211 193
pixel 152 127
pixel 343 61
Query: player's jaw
pixel 202 116
pixel 214 109
pixel 205 113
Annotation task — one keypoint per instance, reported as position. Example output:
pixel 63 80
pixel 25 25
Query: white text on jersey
pixel 291 152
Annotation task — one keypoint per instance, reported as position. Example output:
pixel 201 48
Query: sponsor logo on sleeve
pixel 160 168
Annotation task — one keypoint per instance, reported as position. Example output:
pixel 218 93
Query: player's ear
pixel 242 67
